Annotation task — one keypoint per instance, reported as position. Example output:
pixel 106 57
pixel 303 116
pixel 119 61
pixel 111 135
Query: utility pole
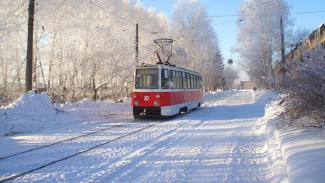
pixel 29 63
pixel 282 69
pixel 136 43
pixel 282 42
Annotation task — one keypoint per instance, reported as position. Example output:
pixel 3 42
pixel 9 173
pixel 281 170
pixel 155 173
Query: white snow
pixel 27 114
pixel 232 138
pixel 34 112
pixel 302 149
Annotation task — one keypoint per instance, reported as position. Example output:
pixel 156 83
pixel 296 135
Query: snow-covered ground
pixel 302 149
pixel 232 138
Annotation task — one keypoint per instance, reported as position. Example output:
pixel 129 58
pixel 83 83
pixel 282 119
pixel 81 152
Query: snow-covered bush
pixel 305 85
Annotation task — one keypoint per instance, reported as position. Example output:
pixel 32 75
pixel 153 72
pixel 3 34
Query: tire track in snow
pixel 163 142
pixel 246 162
pixel 110 166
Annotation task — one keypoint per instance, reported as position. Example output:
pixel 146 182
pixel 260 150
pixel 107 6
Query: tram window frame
pixel 164 79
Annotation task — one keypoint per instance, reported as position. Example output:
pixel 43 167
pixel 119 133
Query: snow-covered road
pixel 220 142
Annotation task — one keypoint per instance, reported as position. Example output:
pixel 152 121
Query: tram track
pixel 10 178
pixel 62 141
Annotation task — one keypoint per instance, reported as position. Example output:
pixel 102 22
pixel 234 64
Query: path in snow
pixel 218 143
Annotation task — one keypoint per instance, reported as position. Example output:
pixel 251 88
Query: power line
pixel 308 12
pixel 126 20
pixel 238 15
pixel 122 18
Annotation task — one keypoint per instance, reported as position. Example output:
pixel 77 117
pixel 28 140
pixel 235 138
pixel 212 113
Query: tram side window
pixel 195 81
pixel 188 79
pixel 164 79
pixel 177 79
pixel 191 81
pixel 184 80
pixel 172 79
pixel 198 82
pixel 180 80
pixel 191 78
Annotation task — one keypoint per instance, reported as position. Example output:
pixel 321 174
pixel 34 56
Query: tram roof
pixel 165 66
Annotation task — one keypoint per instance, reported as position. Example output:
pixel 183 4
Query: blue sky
pixel 227 32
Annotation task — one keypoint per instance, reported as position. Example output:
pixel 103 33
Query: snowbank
pixel 34 112
pixel 302 150
pixel 27 113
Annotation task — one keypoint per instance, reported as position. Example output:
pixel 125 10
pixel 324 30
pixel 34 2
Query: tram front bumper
pixel 147 111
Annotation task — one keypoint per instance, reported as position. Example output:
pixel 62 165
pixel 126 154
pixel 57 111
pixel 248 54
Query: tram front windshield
pixel 147 78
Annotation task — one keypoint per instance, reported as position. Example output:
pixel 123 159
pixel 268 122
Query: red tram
pixel 165 90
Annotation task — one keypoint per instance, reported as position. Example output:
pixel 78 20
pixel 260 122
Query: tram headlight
pixel 136 103
pixel 156 103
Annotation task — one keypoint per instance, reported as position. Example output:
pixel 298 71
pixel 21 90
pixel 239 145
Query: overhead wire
pixel 154 34
pixel 126 20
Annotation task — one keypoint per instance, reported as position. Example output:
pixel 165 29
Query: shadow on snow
pixel 233 112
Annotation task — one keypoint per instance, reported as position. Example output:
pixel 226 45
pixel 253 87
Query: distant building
pixel 316 38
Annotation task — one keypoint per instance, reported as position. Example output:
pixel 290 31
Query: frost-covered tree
pixel 12 48
pixel 196 42
pixel 259 37
pixel 82 48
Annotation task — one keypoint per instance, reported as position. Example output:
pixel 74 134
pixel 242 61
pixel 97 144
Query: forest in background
pixel 299 74
pixel 87 47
